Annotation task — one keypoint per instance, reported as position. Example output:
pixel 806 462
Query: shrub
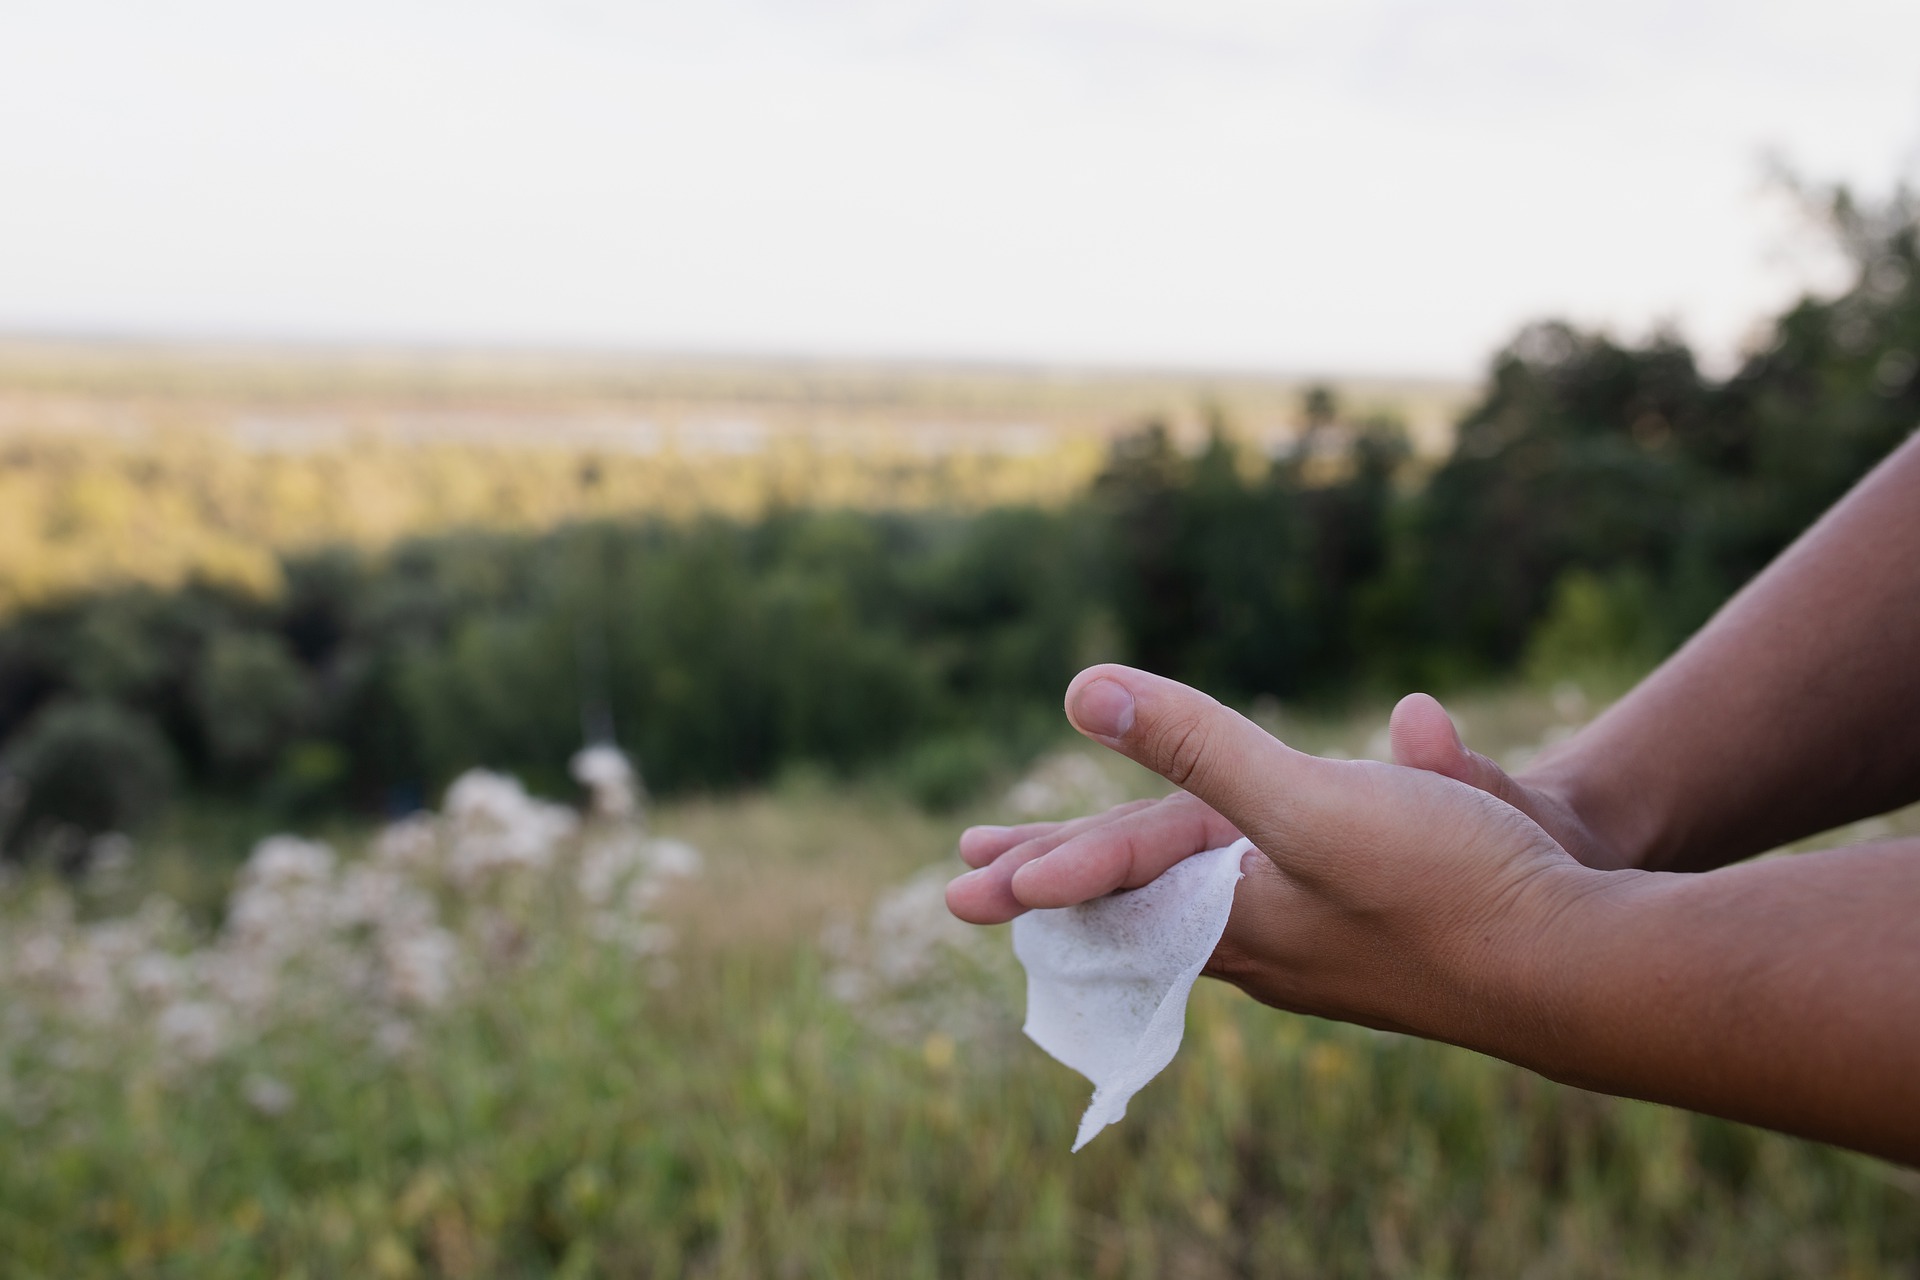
pixel 92 765
pixel 943 773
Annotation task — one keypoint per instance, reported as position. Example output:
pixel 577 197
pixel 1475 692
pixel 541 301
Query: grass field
pixel 791 1063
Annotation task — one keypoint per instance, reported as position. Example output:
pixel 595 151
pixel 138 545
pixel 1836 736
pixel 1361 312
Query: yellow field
pixel 160 465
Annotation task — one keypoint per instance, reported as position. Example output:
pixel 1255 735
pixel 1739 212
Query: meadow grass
pixel 725 1109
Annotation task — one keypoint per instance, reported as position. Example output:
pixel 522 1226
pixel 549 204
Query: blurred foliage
pixel 1602 499
pixel 87 764
pixel 1596 629
pixel 943 773
pixel 176 505
pixel 1589 455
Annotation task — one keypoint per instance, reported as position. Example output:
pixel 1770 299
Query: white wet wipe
pixel 1107 981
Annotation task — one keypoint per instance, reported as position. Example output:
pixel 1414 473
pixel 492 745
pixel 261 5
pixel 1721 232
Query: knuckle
pixel 1183 750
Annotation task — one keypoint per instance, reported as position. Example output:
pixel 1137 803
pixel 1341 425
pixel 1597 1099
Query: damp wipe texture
pixel 1107 981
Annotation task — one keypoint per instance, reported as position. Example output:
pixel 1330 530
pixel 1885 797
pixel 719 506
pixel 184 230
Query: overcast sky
pixel 1312 186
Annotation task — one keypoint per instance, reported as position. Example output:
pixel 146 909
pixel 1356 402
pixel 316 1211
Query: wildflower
pixel 420 968
pixel 393 1037
pixel 280 861
pixel 376 942
pixel 410 845
pixel 608 860
pixel 196 1030
pixel 494 825
pixel 612 785
pixel 157 976
pixel 675 858
pixel 913 969
pixel 266 1095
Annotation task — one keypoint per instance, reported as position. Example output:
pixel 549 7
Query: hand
pixel 1159 833
pixel 1391 896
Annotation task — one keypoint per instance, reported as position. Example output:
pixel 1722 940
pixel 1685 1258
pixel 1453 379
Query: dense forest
pixel 1601 499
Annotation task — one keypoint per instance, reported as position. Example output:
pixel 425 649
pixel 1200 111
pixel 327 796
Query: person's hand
pixel 1391 896
pixel 1161 832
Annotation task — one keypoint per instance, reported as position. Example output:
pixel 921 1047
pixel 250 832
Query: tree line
pixel 1601 499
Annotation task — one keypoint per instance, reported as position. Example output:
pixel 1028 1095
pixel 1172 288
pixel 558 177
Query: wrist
pixel 1618 824
pixel 1524 982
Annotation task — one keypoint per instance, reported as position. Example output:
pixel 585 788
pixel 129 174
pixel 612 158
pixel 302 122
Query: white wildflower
pixel 613 787
pixel 674 858
pixel 914 967
pixel 412 844
pixel 849 985
pixel 266 1095
pixel 157 976
pixel 279 861
pixel 421 967
pixel 911 927
pixel 610 857
pixel 494 826
pixel 196 1030
pixel 372 943
pixel 393 1037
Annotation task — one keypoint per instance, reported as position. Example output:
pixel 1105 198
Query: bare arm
pixel 1796 709
pixel 1784 993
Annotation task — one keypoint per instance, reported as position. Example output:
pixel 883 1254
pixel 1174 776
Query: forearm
pixel 1797 708
pixel 1783 993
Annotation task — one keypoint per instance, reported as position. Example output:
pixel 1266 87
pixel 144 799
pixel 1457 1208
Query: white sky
pixel 1294 185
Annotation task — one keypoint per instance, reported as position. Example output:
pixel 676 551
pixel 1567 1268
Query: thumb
pixel 1244 773
pixel 1423 736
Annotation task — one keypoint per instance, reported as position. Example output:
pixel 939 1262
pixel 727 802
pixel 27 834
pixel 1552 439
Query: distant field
pixel 155 465
pixel 275 398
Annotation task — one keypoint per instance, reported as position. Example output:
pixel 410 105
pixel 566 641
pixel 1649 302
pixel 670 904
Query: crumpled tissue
pixel 1107 981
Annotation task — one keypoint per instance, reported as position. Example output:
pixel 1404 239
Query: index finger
pixel 981 845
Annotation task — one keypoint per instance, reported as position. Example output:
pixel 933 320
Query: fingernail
pixel 985 830
pixel 1104 709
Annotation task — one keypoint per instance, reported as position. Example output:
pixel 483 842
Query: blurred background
pixel 526 530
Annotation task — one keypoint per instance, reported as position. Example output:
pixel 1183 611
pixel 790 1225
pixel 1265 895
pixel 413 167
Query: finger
pixel 1124 854
pixel 1424 737
pixel 985 894
pixel 1262 786
pixel 981 845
